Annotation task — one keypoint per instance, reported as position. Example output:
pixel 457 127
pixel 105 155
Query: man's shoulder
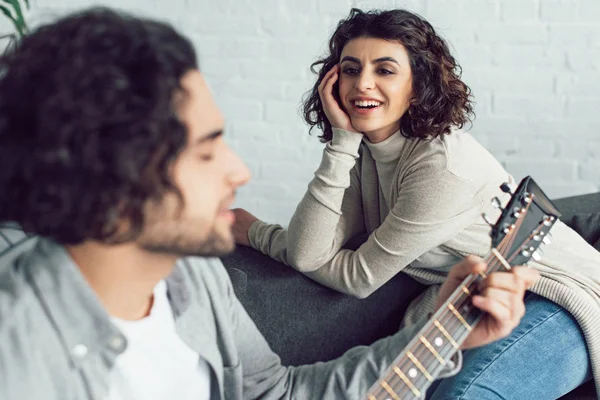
pixel 25 334
pixel 16 295
pixel 205 273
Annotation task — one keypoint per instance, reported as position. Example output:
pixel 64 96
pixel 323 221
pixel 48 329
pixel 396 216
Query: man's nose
pixel 239 174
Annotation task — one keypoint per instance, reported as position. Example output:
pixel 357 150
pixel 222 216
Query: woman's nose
pixel 365 82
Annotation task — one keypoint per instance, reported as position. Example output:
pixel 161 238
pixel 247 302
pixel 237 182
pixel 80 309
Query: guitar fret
pixel 464 289
pixel 388 389
pixel 460 317
pixel 445 333
pixel 432 350
pixel 412 387
pixel 419 365
pixel 502 260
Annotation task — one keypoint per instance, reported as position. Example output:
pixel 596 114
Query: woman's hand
pixel 241 226
pixel 335 114
pixel 500 297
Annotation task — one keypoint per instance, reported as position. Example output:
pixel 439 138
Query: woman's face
pixel 375 85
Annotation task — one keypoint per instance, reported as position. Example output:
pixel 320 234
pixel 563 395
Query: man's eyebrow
pixel 375 61
pixel 210 137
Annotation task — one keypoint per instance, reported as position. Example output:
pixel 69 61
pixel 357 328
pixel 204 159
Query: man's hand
pixel 501 298
pixel 241 226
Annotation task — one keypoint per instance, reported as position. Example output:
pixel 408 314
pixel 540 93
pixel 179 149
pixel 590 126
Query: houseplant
pixel 13 10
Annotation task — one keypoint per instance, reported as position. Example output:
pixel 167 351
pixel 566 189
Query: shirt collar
pixel 73 306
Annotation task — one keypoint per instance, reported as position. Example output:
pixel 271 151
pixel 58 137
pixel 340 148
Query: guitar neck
pixel 432 348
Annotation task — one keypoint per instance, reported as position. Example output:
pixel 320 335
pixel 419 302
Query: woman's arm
pixel 328 215
pixel 431 208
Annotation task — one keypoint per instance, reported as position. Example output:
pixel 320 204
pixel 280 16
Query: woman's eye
pixel 350 71
pixel 384 71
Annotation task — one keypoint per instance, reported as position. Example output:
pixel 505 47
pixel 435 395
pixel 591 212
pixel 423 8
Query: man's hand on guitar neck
pixel 501 297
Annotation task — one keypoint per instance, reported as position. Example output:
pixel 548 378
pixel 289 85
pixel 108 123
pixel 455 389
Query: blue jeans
pixel 543 358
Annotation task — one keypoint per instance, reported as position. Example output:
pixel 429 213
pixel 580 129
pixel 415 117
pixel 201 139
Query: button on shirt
pixel 156 363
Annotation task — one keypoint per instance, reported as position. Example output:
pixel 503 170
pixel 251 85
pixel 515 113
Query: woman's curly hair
pixel 88 124
pixel 440 99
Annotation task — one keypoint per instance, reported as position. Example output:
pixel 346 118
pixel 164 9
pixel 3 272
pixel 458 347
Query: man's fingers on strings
pixel 528 275
pixel 470 265
pixel 496 309
pixel 503 280
pixel 500 295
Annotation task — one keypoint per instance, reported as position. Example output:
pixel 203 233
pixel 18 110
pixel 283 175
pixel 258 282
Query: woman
pixel 398 167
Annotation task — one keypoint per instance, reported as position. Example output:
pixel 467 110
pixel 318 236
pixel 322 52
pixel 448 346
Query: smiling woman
pixel 399 170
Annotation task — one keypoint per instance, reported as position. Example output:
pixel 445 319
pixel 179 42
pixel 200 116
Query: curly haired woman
pixel 397 166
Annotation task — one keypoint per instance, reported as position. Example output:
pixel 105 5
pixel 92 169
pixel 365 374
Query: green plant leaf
pixel 18 19
pixel 15 22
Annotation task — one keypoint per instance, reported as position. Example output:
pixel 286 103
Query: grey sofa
pixel 305 322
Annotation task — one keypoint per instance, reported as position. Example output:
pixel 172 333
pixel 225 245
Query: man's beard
pixel 179 238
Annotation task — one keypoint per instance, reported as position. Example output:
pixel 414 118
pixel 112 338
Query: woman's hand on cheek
pixel 241 226
pixel 335 114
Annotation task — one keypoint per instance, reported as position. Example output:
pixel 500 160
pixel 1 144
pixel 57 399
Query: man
pixel 111 149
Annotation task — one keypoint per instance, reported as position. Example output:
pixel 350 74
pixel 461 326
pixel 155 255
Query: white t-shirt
pixel 157 364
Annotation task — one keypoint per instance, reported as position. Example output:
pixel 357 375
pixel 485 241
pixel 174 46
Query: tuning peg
pixel 496 203
pixel 505 187
pixel 549 220
pixel 527 197
pixel 537 255
pixel 487 219
pixel 547 240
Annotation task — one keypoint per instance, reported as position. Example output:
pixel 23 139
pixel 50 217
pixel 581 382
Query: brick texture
pixel 533 66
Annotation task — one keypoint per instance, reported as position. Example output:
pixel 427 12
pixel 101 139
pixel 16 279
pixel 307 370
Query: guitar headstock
pixel 524 223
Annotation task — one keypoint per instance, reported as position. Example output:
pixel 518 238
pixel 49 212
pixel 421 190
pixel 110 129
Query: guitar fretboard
pixel 432 349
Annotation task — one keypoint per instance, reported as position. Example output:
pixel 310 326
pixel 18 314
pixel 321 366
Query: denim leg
pixel 543 358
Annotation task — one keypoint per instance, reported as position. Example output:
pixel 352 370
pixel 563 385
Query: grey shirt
pixel 57 340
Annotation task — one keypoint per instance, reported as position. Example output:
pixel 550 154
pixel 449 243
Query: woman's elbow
pixel 361 293
pixel 304 264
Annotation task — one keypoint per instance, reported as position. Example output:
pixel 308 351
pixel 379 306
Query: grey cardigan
pixel 57 342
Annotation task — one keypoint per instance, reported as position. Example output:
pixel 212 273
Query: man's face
pixel 207 172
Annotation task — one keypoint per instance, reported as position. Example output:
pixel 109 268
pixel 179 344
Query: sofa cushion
pixel 588 226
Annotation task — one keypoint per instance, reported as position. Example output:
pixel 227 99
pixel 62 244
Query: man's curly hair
pixel 440 99
pixel 88 124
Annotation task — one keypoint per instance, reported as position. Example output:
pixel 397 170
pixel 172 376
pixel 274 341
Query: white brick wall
pixel 533 65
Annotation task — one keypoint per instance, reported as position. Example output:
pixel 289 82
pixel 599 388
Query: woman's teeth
pixel 366 103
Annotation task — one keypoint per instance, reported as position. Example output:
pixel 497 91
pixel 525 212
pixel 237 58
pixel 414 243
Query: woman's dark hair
pixel 440 99
pixel 88 124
